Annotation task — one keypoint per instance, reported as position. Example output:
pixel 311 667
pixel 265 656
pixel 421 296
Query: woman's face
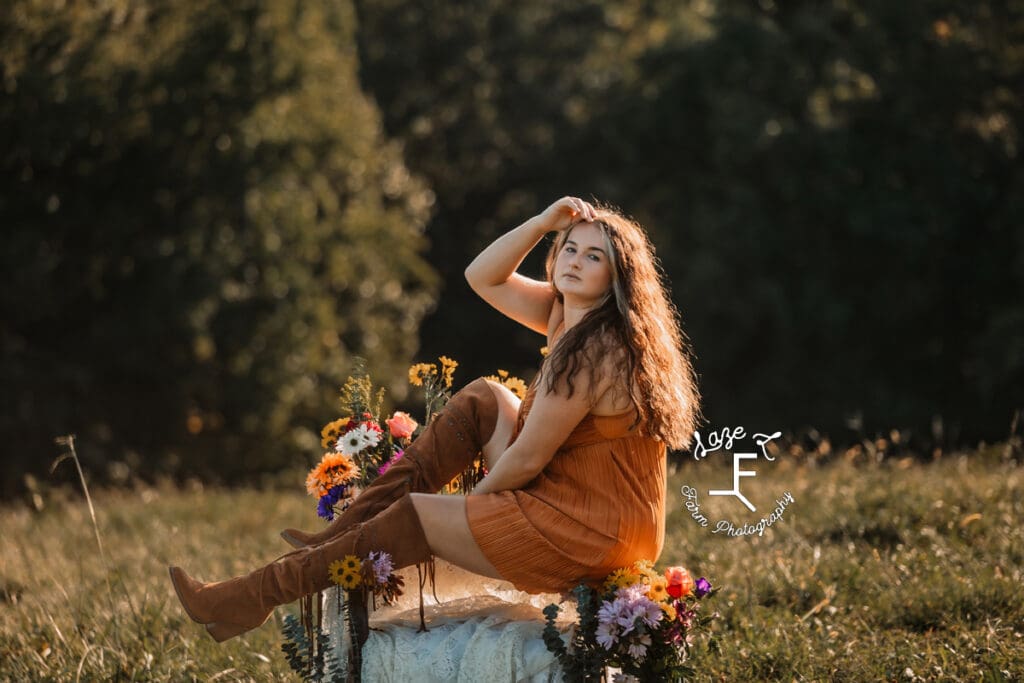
pixel 583 267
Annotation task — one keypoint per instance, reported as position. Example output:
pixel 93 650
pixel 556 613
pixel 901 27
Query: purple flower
pixel 626 614
pixel 382 565
pixel 607 624
pixel 638 650
pixel 325 508
pixel 634 604
pixel 395 458
pixel 606 637
pixel 702 588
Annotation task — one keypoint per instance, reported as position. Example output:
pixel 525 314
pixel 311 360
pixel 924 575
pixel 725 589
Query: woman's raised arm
pixel 493 276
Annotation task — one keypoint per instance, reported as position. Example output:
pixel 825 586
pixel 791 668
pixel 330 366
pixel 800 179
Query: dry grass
pixel 899 571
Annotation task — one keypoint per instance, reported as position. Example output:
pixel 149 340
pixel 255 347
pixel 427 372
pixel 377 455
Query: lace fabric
pixel 480 629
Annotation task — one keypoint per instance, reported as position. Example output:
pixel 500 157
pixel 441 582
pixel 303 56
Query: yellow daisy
pixel 644 570
pixel 620 578
pixel 658 590
pixel 336 571
pixel 544 351
pixel 350 580
pixel 669 611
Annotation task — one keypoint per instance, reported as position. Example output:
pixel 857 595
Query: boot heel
pixel 221 630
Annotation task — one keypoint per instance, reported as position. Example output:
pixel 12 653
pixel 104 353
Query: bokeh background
pixel 209 210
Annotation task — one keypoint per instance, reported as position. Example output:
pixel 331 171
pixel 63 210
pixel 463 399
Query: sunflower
pixel 517 386
pixel 336 570
pixel 334 469
pixel 331 431
pixel 447 370
pixel 421 371
pixel 510 382
pixel 350 580
pixel 352 563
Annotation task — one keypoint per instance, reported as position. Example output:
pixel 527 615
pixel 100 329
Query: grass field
pixel 883 571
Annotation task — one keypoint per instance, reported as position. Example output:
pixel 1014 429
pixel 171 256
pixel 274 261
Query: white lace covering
pixel 479 630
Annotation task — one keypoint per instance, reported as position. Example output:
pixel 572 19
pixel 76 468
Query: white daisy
pixel 358 438
pixel 371 437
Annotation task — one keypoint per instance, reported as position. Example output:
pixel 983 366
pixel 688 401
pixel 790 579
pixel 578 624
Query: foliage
pixel 834 188
pixel 205 216
pixel 203 222
pixel 313 663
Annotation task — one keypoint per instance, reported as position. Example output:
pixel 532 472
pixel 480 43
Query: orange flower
pixel 334 469
pixel 401 425
pixel 680 583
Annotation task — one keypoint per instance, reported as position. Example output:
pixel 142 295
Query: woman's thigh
pixel 508 410
pixel 446 527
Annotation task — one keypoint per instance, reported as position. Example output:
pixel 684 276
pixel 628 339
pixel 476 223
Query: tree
pixel 204 222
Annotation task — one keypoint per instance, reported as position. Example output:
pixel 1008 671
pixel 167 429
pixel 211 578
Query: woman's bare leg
pixel 508 410
pixel 446 528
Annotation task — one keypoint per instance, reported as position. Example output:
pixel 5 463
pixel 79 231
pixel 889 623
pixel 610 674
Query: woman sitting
pixel 576 472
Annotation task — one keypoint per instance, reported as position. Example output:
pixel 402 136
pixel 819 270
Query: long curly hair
pixel 637 324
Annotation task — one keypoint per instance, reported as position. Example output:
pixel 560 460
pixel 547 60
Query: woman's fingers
pixel 580 209
pixel 568 211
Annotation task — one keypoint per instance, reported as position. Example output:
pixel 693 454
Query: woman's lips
pixel 574 277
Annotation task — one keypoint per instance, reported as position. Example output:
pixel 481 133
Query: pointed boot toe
pixel 227 608
pixel 296 538
pixel 187 588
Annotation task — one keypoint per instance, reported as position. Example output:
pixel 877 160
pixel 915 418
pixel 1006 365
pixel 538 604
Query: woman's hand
pixel 566 212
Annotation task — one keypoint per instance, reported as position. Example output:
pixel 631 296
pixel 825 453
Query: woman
pixel 576 474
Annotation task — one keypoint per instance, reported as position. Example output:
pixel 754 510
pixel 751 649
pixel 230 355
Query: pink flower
pixel 680 583
pixel 394 458
pixel 401 425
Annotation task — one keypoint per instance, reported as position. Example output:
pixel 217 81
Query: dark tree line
pixel 835 188
pixel 208 211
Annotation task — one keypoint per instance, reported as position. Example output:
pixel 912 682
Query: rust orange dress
pixel 598 505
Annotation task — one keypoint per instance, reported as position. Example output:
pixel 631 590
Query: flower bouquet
pixel 358 448
pixel 361 446
pixel 640 622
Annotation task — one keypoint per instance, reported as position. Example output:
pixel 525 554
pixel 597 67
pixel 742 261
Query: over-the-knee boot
pixel 446 447
pixel 230 608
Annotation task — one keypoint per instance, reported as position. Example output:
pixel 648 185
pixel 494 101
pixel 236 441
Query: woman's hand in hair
pixel 566 212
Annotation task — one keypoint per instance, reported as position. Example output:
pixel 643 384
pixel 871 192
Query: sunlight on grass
pixel 892 571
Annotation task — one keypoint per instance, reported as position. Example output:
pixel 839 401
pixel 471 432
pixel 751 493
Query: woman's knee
pixel 508 410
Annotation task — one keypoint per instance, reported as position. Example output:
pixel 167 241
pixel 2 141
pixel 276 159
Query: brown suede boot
pixel 230 608
pixel 446 447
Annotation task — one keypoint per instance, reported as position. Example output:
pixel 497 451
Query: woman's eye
pixel 570 250
pixel 595 258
